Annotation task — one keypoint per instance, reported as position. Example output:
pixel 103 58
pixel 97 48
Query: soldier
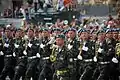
pixel 19 47
pixel 45 64
pixel 73 46
pixel 32 53
pixel 56 31
pixel 111 57
pixel 9 60
pixel 115 33
pixel 101 58
pixel 87 53
pixel 59 59
pixel 1 52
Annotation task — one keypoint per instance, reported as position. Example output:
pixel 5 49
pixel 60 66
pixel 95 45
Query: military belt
pixel 73 59
pixel 8 55
pixel 61 72
pixel 33 57
pixel 104 62
pixel 21 57
pixel 45 58
pixel 88 60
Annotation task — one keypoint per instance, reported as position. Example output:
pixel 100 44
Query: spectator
pixel 16 12
pixel 47 4
pixel 22 12
pixel 27 14
pixel 8 13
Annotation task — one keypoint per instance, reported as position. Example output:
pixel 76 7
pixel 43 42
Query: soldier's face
pixel 101 37
pixel 37 34
pixel 71 34
pixel 119 36
pixel 109 35
pixel 84 35
pixel 17 35
pixel 45 33
pixel 115 35
pixel 59 41
pixel 30 33
pixel 7 33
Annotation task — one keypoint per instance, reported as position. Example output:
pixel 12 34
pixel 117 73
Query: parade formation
pixel 69 53
pixel 72 47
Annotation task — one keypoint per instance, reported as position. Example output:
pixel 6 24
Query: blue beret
pixel 109 30
pixel 44 29
pixel 72 29
pixel 56 29
pixel 82 30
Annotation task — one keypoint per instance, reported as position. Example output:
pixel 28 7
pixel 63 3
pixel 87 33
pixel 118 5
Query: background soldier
pixel 1 52
pixel 9 60
pixel 19 47
pixel 32 52
pixel 111 44
pixel 87 53
pixel 45 64
pixel 73 46
pixel 101 54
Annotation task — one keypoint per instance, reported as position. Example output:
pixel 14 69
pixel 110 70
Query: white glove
pixel 24 52
pixel 29 45
pixel 14 54
pixel 1 53
pixel 16 46
pixel 51 41
pixel 70 46
pixel 42 46
pixel 79 57
pixel 85 48
pixel 100 50
pixel 95 59
pixel 6 45
pixel 38 55
pixel 114 60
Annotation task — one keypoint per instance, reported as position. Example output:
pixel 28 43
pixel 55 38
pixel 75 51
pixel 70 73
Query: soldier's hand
pixel 29 44
pixel 14 54
pixel 79 57
pixel 1 53
pixel 70 46
pixel 95 59
pixel 38 55
pixel 24 52
pixel 42 46
pixel 114 60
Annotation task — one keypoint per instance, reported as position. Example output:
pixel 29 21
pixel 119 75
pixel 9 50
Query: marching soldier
pixel 115 32
pixel 1 53
pixel 111 44
pixel 33 55
pixel 59 59
pixel 9 60
pixel 19 47
pixel 102 69
pixel 73 46
pixel 45 64
pixel 87 53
